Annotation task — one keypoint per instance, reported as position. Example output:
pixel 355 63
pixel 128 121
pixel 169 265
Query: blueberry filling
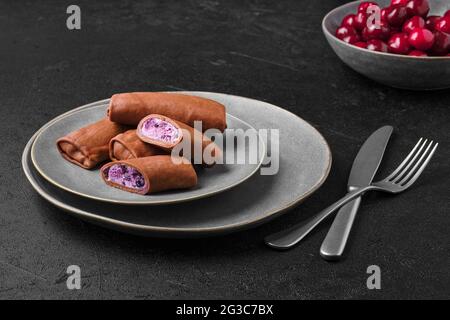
pixel 125 175
pixel 161 130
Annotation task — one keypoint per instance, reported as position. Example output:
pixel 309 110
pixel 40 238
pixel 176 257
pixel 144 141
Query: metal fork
pixel 398 181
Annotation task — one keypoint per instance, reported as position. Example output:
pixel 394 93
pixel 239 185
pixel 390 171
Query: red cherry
pixel 418 8
pixel 395 30
pixel 431 22
pixel 360 21
pixel 383 14
pixel 361 44
pixel 343 32
pixel 377 45
pixel 417 53
pixel 349 21
pixel 443 24
pixel 441 44
pixel 351 39
pixel 401 2
pixel 399 43
pixel 373 32
pixel 396 15
pixel 366 4
pixel 412 23
pixel 447 14
pixel 422 39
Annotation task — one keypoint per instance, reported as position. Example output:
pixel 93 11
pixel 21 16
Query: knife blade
pixel 363 170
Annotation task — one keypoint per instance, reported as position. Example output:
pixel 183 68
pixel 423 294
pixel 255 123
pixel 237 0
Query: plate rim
pixel 156 230
pixel 147 202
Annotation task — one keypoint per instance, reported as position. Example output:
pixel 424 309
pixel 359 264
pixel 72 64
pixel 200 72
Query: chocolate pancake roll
pixel 166 133
pixel 127 145
pixel 89 145
pixel 130 108
pixel 149 174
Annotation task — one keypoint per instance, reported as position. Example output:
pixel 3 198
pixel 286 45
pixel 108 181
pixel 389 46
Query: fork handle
pixel 288 238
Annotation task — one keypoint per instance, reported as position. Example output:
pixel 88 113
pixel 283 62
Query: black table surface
pixel 266 50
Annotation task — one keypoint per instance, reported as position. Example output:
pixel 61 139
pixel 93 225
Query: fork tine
pixel 400 167
pixel 404 170
pixel 422 167
pixel 406 175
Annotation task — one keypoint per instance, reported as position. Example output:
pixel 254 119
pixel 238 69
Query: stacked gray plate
pixel 229 197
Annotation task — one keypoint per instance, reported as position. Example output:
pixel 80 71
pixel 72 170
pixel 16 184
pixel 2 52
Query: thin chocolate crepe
pixel 130 108
pixel 166 133
pixel 127 145
pixel 149 174
pixel 89 145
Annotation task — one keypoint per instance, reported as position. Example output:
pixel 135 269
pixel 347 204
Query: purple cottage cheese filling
pixel 161 130
pixel 126 176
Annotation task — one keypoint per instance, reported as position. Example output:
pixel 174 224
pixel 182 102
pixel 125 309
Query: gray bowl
pixel 406 72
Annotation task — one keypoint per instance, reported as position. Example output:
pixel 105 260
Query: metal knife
pixel 363 170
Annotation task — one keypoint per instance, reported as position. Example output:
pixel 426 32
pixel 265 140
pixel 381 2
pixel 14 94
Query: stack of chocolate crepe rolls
pixel 138 134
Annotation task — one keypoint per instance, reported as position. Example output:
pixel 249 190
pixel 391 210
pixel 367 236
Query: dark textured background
pixel 267 50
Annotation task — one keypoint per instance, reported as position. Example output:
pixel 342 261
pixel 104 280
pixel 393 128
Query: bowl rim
pixel 327 32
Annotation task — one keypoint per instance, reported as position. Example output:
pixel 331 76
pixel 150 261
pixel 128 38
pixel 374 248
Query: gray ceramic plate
pixel 305 161
pixel 88 183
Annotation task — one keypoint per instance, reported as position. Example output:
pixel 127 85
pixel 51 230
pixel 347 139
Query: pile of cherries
pixel 403 28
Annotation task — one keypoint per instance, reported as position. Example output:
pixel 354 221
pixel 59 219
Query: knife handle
pixel 334 244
